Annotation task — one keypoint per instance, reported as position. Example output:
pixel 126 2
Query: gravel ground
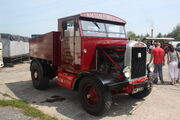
pixel 162 104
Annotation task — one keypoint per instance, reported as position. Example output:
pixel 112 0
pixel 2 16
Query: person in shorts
pixel 172 61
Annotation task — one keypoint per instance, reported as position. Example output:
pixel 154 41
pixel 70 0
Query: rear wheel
pixel 93 98
pixel 39 78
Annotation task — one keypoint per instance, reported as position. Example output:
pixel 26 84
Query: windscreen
pixel 100 29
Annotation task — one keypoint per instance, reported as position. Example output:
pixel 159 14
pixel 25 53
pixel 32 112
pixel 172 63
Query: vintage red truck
pixel 90 53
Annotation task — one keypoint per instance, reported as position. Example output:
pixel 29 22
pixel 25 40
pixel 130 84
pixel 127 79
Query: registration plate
pixel 136 90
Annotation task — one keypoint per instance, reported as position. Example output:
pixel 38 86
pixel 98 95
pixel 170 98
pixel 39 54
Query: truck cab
pixel 83 34
pixel 90 53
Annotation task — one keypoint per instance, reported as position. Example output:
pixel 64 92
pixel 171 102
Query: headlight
pixel 127 72
pixel 150 67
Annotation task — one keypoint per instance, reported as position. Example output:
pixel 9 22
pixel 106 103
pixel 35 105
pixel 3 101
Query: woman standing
pixel 172 61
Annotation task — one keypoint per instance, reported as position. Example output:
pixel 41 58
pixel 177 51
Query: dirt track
pixel 162 104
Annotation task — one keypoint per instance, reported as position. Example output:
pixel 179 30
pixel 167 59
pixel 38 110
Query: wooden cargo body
pixel 47 47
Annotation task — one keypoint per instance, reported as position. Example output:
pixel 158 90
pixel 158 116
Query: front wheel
pixel 93 98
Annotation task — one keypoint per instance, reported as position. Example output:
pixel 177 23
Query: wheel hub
pixel 35 75
pixel 88 96
pixel 91 96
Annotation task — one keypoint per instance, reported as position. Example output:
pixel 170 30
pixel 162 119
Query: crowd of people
pixel 158 53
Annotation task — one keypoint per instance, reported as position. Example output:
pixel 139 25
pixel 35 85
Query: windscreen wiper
pixel 96 24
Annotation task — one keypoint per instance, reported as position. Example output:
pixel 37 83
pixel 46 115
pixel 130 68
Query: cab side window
pixel 68 28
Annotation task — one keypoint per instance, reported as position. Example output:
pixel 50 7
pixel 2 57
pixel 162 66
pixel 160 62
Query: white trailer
pixel 1 57
pixel 15 47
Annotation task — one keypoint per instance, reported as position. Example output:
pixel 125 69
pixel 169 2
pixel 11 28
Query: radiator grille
pixel 138 62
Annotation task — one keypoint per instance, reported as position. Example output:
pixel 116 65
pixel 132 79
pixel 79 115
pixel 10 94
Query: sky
pixel 26 17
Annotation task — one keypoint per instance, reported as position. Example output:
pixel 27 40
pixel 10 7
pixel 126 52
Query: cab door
pixel 70 47
pixel 67 46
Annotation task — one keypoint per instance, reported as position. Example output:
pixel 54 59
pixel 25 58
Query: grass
pixel 26 109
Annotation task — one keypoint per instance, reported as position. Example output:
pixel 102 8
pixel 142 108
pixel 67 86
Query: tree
pixel 140 37
pixel 147 35
pixel 165 35
pixel 175 33
pixel 131 35
pixel 159 35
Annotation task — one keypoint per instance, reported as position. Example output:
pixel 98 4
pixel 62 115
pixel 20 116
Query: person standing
pixel 157 56
pixel 151 47
pixel 178 68
pixel 172 61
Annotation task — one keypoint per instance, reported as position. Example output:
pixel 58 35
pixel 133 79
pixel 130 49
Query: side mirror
pixel 76 26
pixel 64 25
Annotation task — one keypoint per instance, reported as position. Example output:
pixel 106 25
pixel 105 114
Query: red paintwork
pixel 139 80
pixel 91 43
pixel 90 95
pixel 93 15
pixel 120 76
pixel 66 53
pixel 66 80
pixel 78 61
pixel 102 16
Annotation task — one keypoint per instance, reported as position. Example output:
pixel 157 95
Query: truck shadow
pixel 67 102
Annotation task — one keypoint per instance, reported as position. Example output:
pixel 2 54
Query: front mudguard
pixel 110 83
pixel 106 80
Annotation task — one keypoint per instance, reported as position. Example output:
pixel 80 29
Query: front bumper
pixel 128 86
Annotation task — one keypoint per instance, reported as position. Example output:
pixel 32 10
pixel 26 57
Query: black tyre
pixel 142 94
pixel 50 72
pixel 94 99
pixel 39 78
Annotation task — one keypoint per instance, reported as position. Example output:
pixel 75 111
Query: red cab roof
pixel 102 16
